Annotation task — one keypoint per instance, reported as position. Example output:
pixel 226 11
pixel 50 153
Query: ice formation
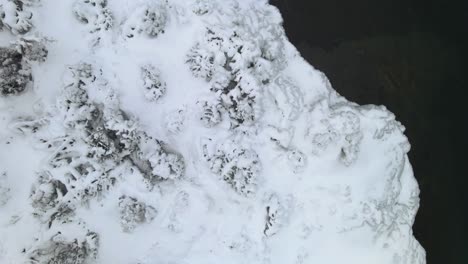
pixel 188 131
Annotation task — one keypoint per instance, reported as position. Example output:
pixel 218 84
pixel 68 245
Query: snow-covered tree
pixel 210 114
pixel 149 19
pixel 96 15
pixel 134 212
pixel 73 104
pixel 60 249
pixel 15 69
pixel 15 17
pixel 110 134
pixel 154 87
pixel 239 167
pixel 163 164
pixel 201 62
pixel 47 192
pixel 202 7
pixel 240 103
pixel 238 62
pixel 15 75
pixel 32 49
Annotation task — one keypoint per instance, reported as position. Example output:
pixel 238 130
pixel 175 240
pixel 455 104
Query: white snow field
pixel 188 132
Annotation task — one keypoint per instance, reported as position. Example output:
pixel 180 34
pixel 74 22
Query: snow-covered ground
pixel 188 131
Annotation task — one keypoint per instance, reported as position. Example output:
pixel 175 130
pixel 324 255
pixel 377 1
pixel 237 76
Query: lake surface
pixel 410 56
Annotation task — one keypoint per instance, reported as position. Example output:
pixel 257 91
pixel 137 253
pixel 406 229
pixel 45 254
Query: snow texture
pixel 188 131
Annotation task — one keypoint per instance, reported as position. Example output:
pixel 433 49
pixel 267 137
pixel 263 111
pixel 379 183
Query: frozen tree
pixel 62 250
pixel 202 7
pixel 240 103
pixel 154 87
pixel 238 62
pixel 110 134
pixel 134 213
pixel 163 164
pixel 210 114
pixel 15 75
pixel 15 17
pixel 149 19
pixel 167 165
pixel 238 167
pixel 201 62
pixel 15 70
pixel 32 49
pixel 154 20
pixel 96 15
pixel 122 131
pixel 73 104
pixel 47 192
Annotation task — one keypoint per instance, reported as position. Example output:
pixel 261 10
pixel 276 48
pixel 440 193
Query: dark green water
pixel 412 57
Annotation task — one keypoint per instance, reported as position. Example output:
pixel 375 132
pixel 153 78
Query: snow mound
pixel 188 131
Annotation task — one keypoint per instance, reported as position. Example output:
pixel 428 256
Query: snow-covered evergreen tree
pixel 32 49
pixel 154 87
pixel 46 192
pixel 15 16
pixel 96 15
pixel 15 69
pixel 134 213
pixel 210 112
pixel 149 19
pixel 239 167
pixel 60 249
pixel 163 164
pixel 239 62
pixel 13 78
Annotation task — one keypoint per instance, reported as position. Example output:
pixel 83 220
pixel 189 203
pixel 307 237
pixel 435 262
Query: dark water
pixel 411 56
